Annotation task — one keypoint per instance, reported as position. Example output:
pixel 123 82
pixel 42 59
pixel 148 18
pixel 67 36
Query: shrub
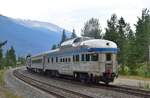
pixel 143 70
pixel 124 70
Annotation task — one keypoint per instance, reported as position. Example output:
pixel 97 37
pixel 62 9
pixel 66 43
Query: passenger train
pixel 82 58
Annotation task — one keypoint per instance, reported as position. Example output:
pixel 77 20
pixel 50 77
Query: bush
pixel 143 70
pixel 124 70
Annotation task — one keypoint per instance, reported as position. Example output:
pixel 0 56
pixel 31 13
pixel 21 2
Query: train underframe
pixel 79 76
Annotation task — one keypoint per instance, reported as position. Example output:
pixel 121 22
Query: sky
pixel 71 14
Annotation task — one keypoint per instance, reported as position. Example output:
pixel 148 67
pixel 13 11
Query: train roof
pixel 82 41
pixel 46 52
pixel 75 40
pixel 86 41
pixel 99 43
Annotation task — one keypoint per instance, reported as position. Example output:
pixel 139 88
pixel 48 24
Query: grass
pixel 134 77
pixel 4 92
pixel 144 85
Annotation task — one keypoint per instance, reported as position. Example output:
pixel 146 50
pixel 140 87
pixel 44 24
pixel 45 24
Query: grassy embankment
pixel 4 92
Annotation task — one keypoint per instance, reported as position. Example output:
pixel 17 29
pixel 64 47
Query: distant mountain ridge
pixel 28 36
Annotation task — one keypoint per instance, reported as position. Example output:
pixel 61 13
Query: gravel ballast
pixel 90 91
pixel 23 89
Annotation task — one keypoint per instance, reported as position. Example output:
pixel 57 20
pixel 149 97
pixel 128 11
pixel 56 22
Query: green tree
pixel 125 35
pixel 2 44
pixel 92 29
pixel 119 32
pixel 64 37
pixel 1 58
pixel 54 46
pixel 111 30
pixel 1 53
pixel 142 37
pixel 10 57
pixel 73 34
pixel 21 60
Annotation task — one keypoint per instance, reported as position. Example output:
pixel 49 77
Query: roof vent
pixel 107 44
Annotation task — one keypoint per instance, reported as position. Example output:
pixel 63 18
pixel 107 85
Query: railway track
pixel 126 89
pixel 123 89
pixel 53 90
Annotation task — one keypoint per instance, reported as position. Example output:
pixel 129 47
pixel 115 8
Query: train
pixel 82 58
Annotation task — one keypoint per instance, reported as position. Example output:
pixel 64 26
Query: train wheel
pixel 107 83
pixel 84 77
pixel 57 74
pixel 75 76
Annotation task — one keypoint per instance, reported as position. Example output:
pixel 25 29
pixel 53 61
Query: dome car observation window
pixel 77 40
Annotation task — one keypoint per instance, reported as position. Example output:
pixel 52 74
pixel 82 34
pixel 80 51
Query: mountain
pixel 28 36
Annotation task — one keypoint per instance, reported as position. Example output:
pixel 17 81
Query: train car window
pixel 108 57
pixel 52 60
pixel 82 57
pixel 69 60
pixel 48 60
pixel 77 40
pixel 94 57
pixel 37 61
pixel 77 58
pixel 63 59
pixel 56 59
pixel 87 57
pixel 73 58
pixel 66 59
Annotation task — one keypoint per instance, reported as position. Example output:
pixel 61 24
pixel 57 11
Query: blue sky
pixel 71 14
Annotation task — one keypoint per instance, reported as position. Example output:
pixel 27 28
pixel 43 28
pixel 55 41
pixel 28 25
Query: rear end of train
pixel 107 59
pixel 108 68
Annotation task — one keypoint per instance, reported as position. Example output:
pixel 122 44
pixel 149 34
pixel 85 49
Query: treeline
pixel 64 38
pixel 9 59
pixel 133 55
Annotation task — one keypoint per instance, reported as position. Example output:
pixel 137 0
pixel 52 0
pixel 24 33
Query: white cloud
pixel 73 13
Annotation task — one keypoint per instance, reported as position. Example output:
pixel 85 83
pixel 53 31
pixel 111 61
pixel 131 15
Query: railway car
pixel 82 58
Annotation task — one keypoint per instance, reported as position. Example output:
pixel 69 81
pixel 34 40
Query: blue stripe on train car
pixel 103 49
pixel 100 50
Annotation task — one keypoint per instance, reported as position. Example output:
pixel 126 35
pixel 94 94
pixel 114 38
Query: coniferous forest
pixel 133 55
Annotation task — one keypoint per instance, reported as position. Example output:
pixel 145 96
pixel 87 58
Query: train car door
pixel 108 65
pixel 29 61
pixel 43 63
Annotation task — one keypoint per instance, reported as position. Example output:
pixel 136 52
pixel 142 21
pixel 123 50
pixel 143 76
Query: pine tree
pixel 122 40
pixel 10 57
pixel 1 54
pixel 92 29
pixel 64 37
pixel 2 44
pixel 112 28
pixel 1 58
pixel 54 46
pixel 118 31
pixel 73 34
pixel 142 37
pixel 21 60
